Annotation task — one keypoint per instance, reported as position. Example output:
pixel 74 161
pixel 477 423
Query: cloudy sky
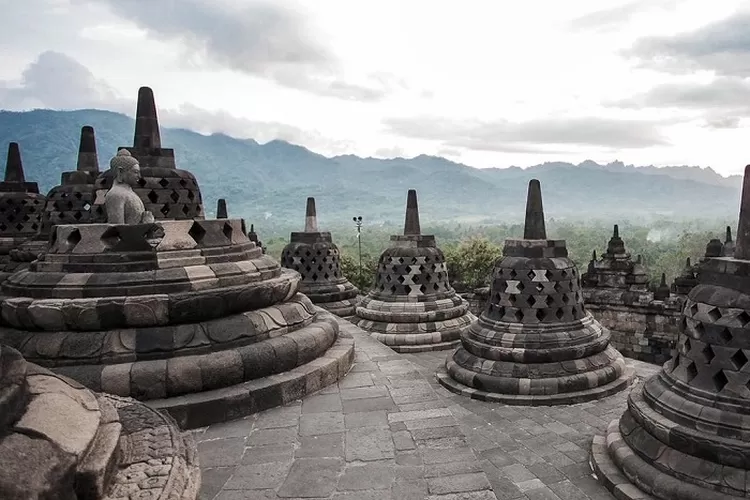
pixel 483 82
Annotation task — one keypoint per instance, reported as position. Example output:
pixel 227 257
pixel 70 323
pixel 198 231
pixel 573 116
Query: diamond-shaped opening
pixel 152 196
pixel 197 232
pixel 690 370
pixel 686 346
pixel 738 359
pixel 574 312
pixel 19 226
pixel 743 318
pixel 715 314
pixel 401 279
pixel 512 299
pixel 393 288
pixel 518 315
pixel 531 275
pixel 183 182
pixel 520 286
pixel 559 313
pixel 676 362
pixel 111 236
pixel 540 314
pixel 725 335
pixel 683 324
pixel 539 287
pixel 531 301
pixel 191 195
pixel 163 182
pixel 558 287
pixel 407 269
pixel 693 309
pixel 423 288
pixel 77 215
pixel 315 276
pixel 227 230
pixel 549 301
pixel 73 238
pixel 564 274
pixel 165 210
pixel 407 289
pixel 565 298
pixel 436 287
pixel 175 196
pixel 512 274
pixel 708 353
pixel 700 329
pixel 720 380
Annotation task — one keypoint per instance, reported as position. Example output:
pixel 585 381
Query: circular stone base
pixel 153 448
pixel 565 398
pixel 228 403
pixel 341 308
pixel 648 483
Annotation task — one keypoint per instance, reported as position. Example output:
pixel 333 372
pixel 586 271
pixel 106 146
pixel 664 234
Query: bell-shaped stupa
pixel 21 206
pixel 684 434
pixel 412 306
pixel 187 314
pixel 535 343
pixel 68 203
pixel 167 192
pixel 313 254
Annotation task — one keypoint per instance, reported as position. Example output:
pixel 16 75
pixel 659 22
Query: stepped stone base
pixel 228 403
pixel 669 474
pixel 565 398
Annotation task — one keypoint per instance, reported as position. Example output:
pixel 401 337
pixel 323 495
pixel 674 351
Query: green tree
pixel 470 263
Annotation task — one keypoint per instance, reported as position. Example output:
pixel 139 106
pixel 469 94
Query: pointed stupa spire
pixel 311 216
pixel 252 228
pixel 411 223
pixel 88 161
pixel 221 209
pixel 616 231
pixel 534 226
pixel 147 135
pixel 728 237
pixel 742 243
pixel 593 255
pixel 14 167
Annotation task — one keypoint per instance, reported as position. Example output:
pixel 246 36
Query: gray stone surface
pixel 406 437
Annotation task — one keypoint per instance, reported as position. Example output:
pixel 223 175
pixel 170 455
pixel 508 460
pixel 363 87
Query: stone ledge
pixel 220 405
pixel 440 346
pixel 568 398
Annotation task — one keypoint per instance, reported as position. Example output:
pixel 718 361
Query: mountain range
pixel 271 181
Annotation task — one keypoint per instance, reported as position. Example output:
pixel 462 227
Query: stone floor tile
pixel 374 391
pixel 255 455
pixel 567 491
pixel 356 380
pixel 314 424
pixel 459 483
pixel 368 444
pixel 321 403
pixel 409 489
pixel 312 477
pixel 213 480
pixel 221 452
pixel 367 477
pixel 543 493
pixel 376 418
pixel 326 445
pixel 272 436
pixel 258 477
pixel 286 416
pixel 368 404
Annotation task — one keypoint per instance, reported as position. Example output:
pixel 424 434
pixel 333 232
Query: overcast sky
pixel 483 82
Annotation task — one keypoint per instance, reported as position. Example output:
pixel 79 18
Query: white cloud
pixel 500 83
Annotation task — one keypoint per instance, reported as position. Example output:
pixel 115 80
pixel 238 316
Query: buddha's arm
pixel 115 208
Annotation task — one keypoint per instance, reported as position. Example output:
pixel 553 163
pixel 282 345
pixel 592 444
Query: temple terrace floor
pixel 388 430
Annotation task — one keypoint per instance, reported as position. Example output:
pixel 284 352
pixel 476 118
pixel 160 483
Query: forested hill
pixel 270 181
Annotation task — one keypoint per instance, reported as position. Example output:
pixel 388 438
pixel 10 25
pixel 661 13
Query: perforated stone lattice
pixel 68 205
pixel 21 213
pixel 168 193
pixel 713 349
pixel 412 276
pixel 314 264
pixel 535 296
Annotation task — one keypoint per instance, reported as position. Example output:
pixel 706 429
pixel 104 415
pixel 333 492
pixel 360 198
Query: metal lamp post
pixel 358 221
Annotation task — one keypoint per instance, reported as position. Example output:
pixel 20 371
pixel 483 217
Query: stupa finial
pixel 311 216
pixel 411 224
pixel 616 231
pixel 147 135
pixel 534 227
pixel 728 238
pixel 742 244
pixel 221 209
pixel 88 161
pixel 14 167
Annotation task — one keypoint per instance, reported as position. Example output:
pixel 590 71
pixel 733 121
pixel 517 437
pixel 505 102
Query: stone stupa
pixel 167 192
pixel 21 207
pixel 616 270
pixel 313 254
pixel 535 343
pixel 68 203
pixel 61 441
pixel 684 434
pixel 188 315
pixel 412 307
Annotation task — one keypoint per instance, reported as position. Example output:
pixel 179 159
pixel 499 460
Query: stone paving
pixel 389 431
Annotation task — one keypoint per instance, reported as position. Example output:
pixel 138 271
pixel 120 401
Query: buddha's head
pixel 125 167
